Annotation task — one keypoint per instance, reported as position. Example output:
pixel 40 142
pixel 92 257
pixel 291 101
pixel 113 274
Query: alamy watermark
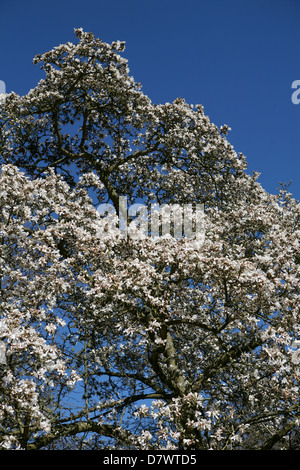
pixel 2 92
pixel 296 94
pixel 140 221
pixel 2 353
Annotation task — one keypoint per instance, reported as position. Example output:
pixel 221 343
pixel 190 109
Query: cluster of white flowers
pixel 200 335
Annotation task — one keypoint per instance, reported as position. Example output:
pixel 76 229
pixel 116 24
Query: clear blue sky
pixel 238 58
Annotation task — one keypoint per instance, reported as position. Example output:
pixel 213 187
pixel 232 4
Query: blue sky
pixel 238 58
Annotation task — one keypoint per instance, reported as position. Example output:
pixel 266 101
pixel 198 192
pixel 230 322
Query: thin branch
pixel 136 154
pixel 67 430
pixel 225 359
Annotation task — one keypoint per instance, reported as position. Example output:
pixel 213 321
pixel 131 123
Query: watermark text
pixel 139 221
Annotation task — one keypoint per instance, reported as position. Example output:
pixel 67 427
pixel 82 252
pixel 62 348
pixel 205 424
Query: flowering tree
pixel 131 342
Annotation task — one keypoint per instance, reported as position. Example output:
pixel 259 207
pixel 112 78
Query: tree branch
pixel 226 358
pixel 136 154
pixel 269 444
pixel 67 430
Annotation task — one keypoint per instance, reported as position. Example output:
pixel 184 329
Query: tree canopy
pixel 130 342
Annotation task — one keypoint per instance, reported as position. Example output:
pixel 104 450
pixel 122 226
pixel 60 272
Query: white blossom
pixel 133 341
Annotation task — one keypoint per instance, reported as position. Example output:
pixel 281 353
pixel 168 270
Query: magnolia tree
pixel 112 338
